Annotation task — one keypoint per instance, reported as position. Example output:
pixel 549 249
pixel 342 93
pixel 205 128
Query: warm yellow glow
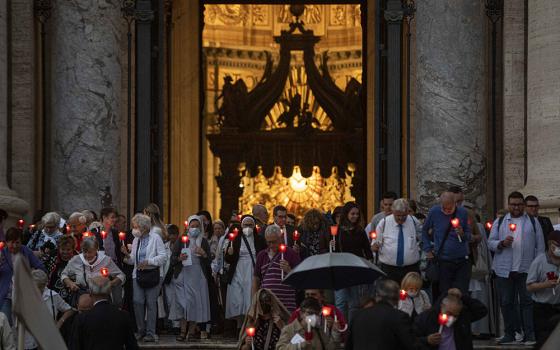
pixel 297 182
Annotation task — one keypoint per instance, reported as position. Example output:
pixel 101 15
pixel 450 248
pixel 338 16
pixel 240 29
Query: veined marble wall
pixel 85 102
pixel 450 102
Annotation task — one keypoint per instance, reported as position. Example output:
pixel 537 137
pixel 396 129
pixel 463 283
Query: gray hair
pixel 99 285
pixel 400 204
pixel 272 230
pixel 89 243
pixel 39 277
pixel 387 290
pixel 144 222
pixel 51 218
pixel 77 217
pixel 451 299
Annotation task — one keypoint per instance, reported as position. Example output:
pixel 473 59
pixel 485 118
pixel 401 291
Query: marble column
pixel 85 74
pixel 9 199
pixel 450 103
pixel 543 103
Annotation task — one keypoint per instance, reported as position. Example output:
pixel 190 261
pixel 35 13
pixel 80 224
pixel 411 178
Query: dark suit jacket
pixel 381 327
pixel 546 226
pixel 103 327
pixel 427 323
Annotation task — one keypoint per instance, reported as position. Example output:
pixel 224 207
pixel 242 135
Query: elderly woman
pixel 46 240
pixel 148 257
pixel 218 230
pixel 66 250
pixel 90 263
pixel 78 225
pixel 191 268
pixel 242 255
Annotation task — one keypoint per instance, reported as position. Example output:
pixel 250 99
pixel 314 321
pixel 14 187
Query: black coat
pixel 260 244
pixel 427 323
pixel 380 327
pixel 546 226
pixel 103 327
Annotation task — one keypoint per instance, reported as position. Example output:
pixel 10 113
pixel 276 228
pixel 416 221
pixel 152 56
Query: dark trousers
pixel 546 317
pixel 397 273
pixel 454 274
pixel 510 290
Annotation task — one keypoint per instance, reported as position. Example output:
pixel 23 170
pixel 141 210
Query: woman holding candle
pixel 50 233
pixel 415 300
pixel 78 225
pixel 86 265
pixel 315 235
pixel 241 256
pixel 66 250
pixel 148 257
pixel 191 268
pixel 267 315
pixel 350 238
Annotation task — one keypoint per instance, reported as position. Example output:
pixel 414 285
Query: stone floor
pixel 169 343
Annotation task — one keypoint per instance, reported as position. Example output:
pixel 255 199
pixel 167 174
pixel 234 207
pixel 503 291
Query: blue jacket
pixel 453 249
pixel 532 245
pixel 7 270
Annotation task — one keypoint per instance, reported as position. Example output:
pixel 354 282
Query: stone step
pixel 169 343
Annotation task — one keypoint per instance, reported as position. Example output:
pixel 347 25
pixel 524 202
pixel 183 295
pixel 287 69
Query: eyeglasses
pixel 271 242
pixel 516 205
pixel 533 206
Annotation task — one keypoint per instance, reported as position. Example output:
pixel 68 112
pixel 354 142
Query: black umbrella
pixel 332 271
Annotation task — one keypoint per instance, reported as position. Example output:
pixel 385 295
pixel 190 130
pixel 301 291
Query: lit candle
pixel 282 249
pixel 296 236
pixel 403 294
pixel 488 225
pixel 373 236
pixel 67 228
pixel 122 237
pixel 455 223
pixel 235 232
pixel 258 228
pixel 442 320
pixel 334 232
pixel 251 333
pixel 185 240
pixel 31 227
pixel 2 245
pixel 326 313
pixel 238 217
pixel 103 234
pixel 512 227
pixel 104 272
pixel 87 234
pixel 231 236
pixel 20 224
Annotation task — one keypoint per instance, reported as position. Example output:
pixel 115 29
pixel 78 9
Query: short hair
pixel 107 211
pixel 531 198
pixel 272 230
pixel 400 204
pixel 451 299
pixel 100 286
pixel 389 195
pixel 310 304
pixel 89 243
pixel 412 280
pixel 386 290
pixel 218 222
pixel 516 195
pixel 90 215
pixel 77 217
pixel 292 216
pixel 67 240
pixel 259 208
pixel 14 234
pixel 172 230
pixel 144 222
pixel 278 208
pixel 51 218
pixel 455 189
pixel 39 277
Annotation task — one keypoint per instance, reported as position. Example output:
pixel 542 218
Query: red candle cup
pixel 326 311
pixel 403 294
pixel 512 227
pixel 442 320
pixel 282 248
pixel 296 236
pixel 103 234
pixel 185 239
pixel 455 222
pixel 2 245
pixel 373 235
pixel 122 236
pixel 104 272
pixel 250 331
pixel 186 224
pixel 488 225
pixel 20 224
pixel 231 236
pixel 87 234
pixel 334 230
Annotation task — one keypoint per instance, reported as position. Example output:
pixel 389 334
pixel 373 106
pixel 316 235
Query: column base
pixel 13 205
pixel 548 195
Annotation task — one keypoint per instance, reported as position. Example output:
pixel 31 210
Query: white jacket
pixel 155 253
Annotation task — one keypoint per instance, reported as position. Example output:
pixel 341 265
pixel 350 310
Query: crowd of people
pixel 445 272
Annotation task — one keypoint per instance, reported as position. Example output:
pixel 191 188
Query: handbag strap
pixel 445 237
pixel 268 334
pixel 84 273
pixel 249 249
pixel 52 305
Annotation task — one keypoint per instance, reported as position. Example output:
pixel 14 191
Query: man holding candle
pixel 272 264
pixel 543 282
pixel 448 243
pixel 397 242
pixel 447 325
pixel 280 214
pixel 515 240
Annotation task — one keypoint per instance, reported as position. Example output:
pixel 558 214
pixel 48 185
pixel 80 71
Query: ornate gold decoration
pixel 226 14
pixel 338 15
pixel 311 15
pixel 297 193
pixel 259 14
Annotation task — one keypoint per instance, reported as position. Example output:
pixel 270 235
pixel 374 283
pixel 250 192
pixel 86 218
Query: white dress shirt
pixel 388 239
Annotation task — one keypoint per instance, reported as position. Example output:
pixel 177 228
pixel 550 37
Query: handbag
pixel 147 278
pixel 75 296
pixel 432 270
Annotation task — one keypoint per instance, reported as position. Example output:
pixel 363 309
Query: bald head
pixel 85 303
pixel 447 200
pixel 260 212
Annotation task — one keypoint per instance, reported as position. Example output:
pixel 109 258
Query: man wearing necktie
pixel 397 242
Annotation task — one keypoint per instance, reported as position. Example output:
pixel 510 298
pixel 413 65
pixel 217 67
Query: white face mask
pixel 312 320
pixel 136 233
pixel 194 232
pixel 247 231
pixel 556 252
pixel 450 321
pixel 412 294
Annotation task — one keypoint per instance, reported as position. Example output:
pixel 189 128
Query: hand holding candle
pixel 250 331
pixel 442 320
pixel 334 232
pixel 296 236
pixel 282 249
pixel 456 223
pixel 326 311
pixel 122 237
